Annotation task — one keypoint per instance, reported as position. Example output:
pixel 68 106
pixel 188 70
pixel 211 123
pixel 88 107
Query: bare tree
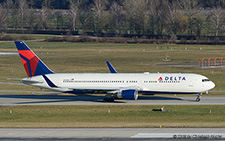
pixel 74 9
pixel 217 18
pixel 191 10
pixel 151 7
pixel 59 19
pixel 22 11
pixel 87 20
pixel 32 19
pixel 135 15
pixel 8 5
pixel 3 18
pixel 44 15
pixel 157 11
pixel 47 3
pixel 117 12
pixel 99 6
pixel 220 3
pixel 173 17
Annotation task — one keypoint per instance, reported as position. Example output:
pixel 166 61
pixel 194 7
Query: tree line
pixel 64 4
pixel 142 17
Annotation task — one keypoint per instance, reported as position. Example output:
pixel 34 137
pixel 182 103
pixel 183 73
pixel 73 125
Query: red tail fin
pixel 32 64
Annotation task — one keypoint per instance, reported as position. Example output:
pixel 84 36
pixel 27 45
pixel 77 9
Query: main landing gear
pixel 198 97
pixel 108 98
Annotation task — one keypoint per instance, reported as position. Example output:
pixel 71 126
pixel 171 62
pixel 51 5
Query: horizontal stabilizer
pixel 25 81
pixel 29 81
pixel 13 79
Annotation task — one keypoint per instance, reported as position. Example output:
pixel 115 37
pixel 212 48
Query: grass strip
pixel 112 116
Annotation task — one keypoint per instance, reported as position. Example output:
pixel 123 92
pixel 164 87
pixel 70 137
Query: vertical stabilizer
pixel 32 64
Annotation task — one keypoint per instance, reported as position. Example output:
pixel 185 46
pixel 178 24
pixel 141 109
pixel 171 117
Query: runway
pixel 11 100
pixel 8 53
pixel 111 133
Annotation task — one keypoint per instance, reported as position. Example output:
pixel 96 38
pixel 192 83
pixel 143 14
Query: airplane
pixel 115 85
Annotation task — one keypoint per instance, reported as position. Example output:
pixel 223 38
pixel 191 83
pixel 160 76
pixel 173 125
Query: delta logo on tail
pixel 32 64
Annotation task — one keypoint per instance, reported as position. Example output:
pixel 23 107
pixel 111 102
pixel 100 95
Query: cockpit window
pixel 205 80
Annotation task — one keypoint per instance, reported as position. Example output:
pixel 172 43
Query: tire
pixel 108 100
pixel 197 99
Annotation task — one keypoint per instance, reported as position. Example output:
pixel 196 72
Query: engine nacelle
pixel 128 95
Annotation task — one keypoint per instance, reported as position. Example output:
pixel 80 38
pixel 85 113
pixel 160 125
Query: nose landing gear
pixel 198 97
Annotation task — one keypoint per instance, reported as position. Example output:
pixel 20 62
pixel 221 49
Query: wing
pixel 111 68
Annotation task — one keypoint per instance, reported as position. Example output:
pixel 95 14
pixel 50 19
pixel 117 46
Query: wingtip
pixel 18 41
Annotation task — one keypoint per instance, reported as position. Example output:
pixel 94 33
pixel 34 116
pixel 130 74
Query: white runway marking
pixel 8 53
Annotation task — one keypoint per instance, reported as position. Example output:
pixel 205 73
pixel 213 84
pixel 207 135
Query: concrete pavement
pixel 53 99
pixel 112 133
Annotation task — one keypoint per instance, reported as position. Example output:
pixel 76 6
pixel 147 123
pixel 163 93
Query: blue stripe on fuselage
pixel 49 81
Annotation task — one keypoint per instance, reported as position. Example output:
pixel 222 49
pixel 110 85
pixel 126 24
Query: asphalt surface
pixel 54 99
pixel 111 133
pixel 8 53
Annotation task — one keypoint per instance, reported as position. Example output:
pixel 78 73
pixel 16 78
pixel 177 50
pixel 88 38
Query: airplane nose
pixel 212 85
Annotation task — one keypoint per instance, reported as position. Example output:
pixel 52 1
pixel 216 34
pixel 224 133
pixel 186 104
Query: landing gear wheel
pixel 197 99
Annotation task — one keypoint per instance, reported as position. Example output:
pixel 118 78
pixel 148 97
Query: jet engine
pixel 127 94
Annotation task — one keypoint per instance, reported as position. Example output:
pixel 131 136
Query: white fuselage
pixel 147 83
